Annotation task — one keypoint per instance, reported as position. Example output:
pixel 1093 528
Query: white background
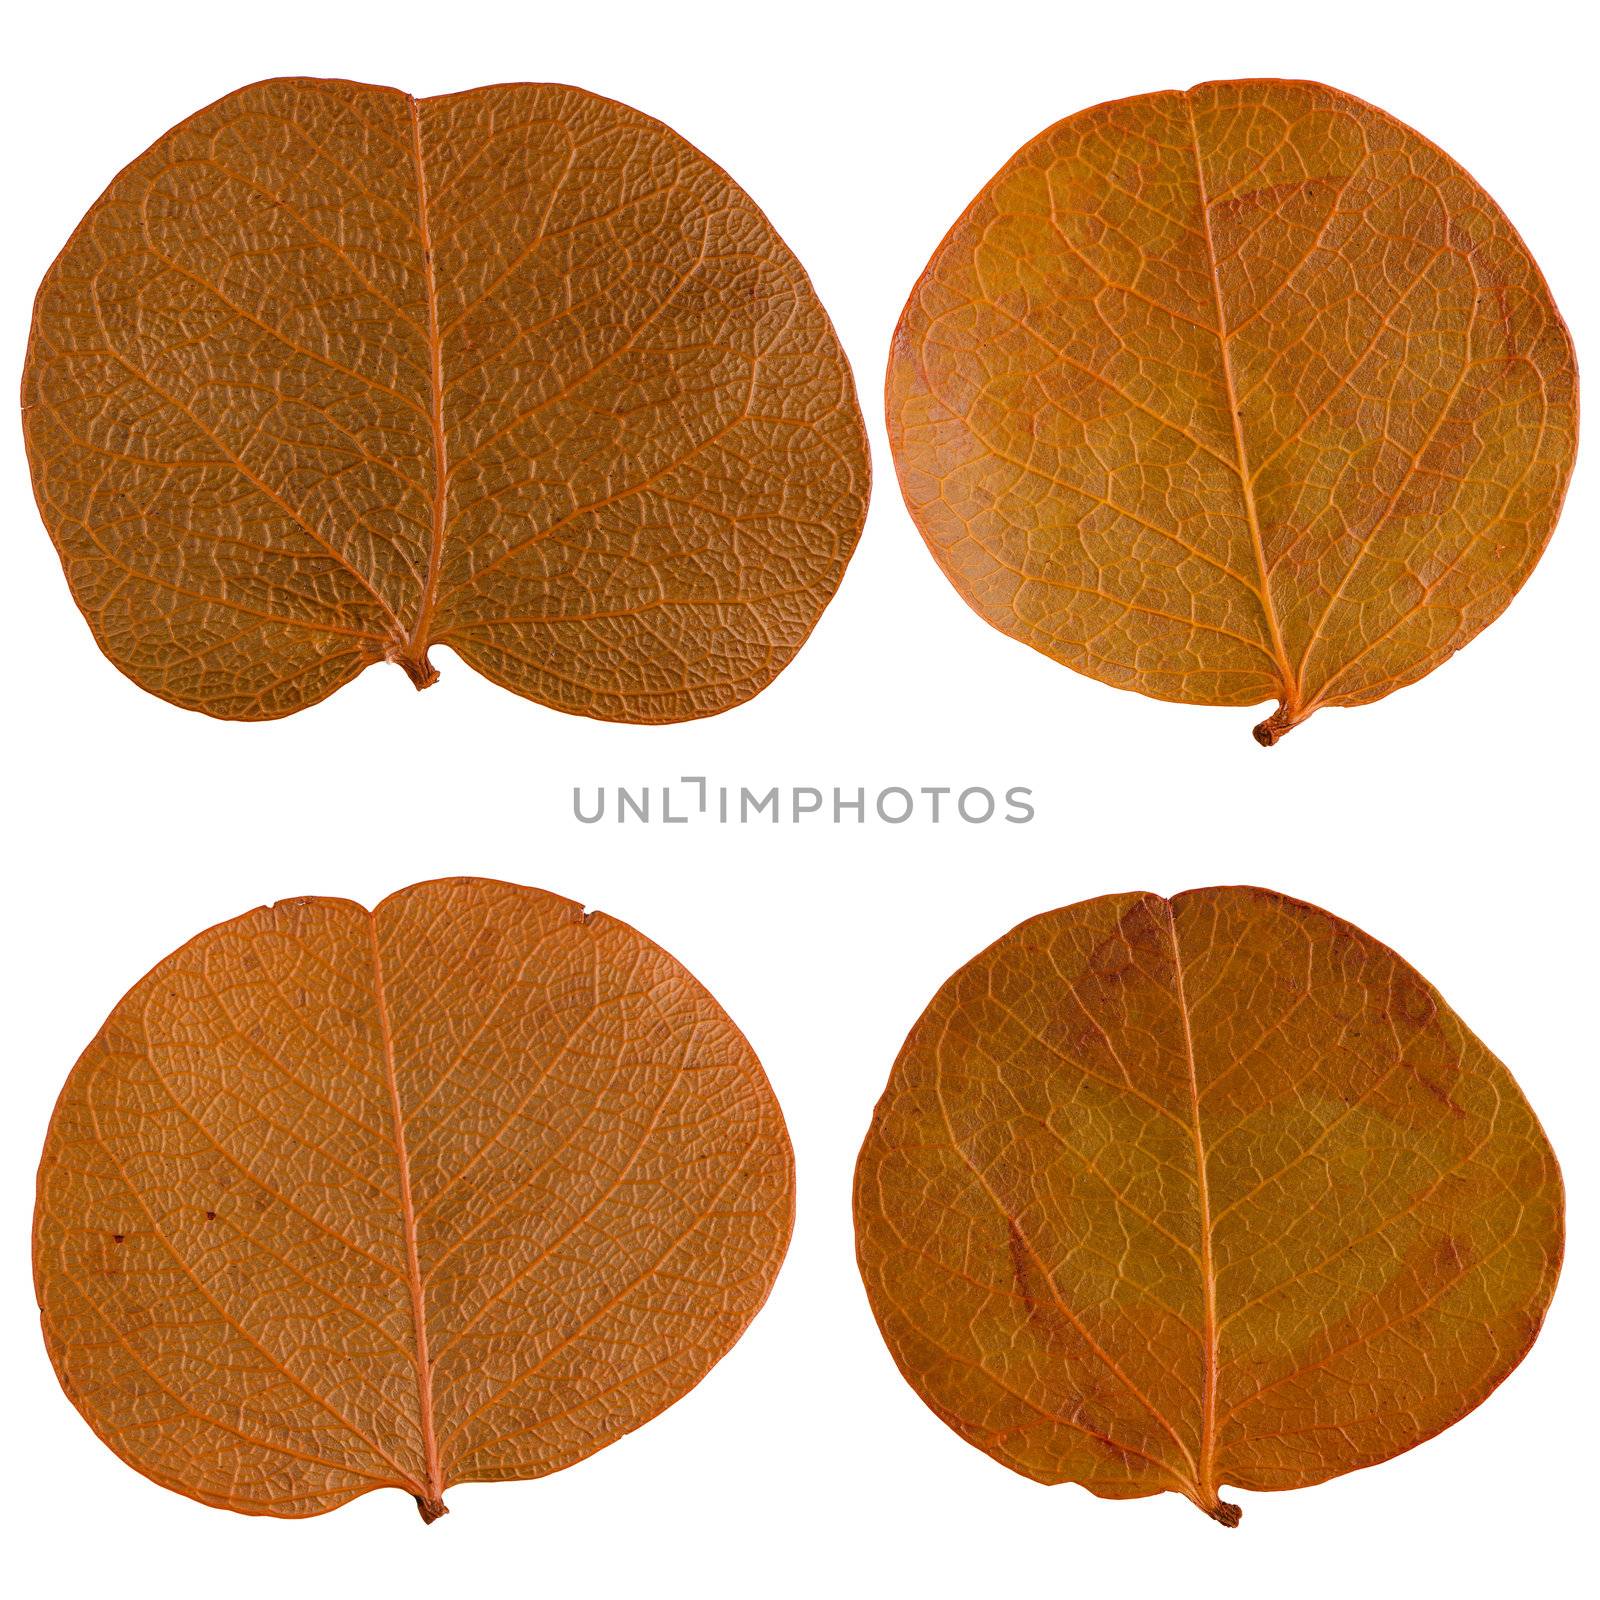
pixel 1453 820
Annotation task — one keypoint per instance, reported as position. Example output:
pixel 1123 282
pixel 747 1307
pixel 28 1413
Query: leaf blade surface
pixel 1240 393
pixel 1172 1195
pixel 459 1190
pixel 330 375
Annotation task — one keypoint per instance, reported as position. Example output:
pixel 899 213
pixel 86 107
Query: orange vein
pixel 416 659
pixel 1246 478
pixel 432 1500
pixel 1208 1273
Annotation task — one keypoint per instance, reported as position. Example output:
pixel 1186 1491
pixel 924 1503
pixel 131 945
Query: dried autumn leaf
pixel 1243 393
pixel 1215 1190
pixel 330 375
pixel 461 1189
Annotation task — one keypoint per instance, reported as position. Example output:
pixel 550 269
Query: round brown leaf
pixel 1240 393
pixel 1215 1190
pixel 330 375
pixel 464 1188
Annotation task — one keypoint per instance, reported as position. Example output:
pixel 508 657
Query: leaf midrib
pixel 1207 1485
pixel 430 1493
pixel 1288 676
pixel 413 653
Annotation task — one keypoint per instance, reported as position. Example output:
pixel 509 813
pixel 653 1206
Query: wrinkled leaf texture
pixel 330 375
pixel 1167 1195
pixel 462 1189
pixel 1243 393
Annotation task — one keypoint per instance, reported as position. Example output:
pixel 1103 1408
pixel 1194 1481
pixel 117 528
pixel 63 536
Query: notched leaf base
pixel 415 664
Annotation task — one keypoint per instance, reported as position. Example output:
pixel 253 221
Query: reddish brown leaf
pixel 1243 393
pixel 464 1188
pixel 330 375
pixel 1168 1195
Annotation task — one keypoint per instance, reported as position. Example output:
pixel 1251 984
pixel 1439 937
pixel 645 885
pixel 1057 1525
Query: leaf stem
pixel 414 663
pixel 1220 1511
pixel 1268 733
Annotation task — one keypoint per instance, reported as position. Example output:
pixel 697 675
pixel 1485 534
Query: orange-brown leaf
pixel 1168 1195
pixel 464 1188
pixel 330 375
pixel 1243 393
